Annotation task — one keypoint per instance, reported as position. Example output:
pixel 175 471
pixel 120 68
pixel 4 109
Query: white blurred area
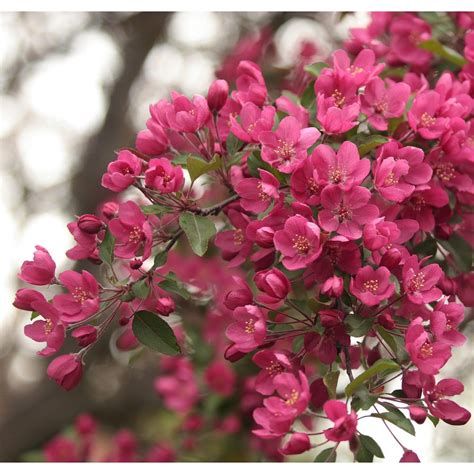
pixel 60 102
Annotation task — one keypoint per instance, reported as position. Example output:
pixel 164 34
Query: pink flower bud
pixel 85 424
pixel 417 414
pixel 232 354
pixel 65 370
pixel 264 237
pixel 319 393
pixel 217 95
pixel 297 444
pixel 85 335
pixel 39 271
pixel 447 285
pixel 165 305
pixel 110 209
pixel 274 284
pixel 127 341
pixel 409 456
pixel 89 223
pixel 240 296
pixel 333 286
pixel 385 320
pixel 25 297
pixel 391 259
pixel 136 263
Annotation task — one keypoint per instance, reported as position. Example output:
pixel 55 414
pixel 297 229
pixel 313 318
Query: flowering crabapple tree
pixel 331 227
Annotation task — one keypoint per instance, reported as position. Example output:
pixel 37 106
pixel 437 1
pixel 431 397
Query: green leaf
pixel 198 230
pixel 233 144
pixel 388 338
pixel 34 315
pixel 308 98
pixel 180 159
pixel 425 248
pixel 398 420
pixel 154 209
pixel 460 250
pixel 197 167
pixel 160 259
pixel 363 399
pixel 172 285
pixel 364 455
pixel 371 142
pixel 434 46
pixel 155 333
pixel 330 380
pixel 371 445
pixel 328 455
pixel 358 326
pixel 433 420
pixel 106 248
pixel 254 162
pixel 141 289
pixel 315 68
pixel 382 365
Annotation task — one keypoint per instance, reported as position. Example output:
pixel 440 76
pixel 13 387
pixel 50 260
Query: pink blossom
pixel 83 298
pixel 417 414
pixel 372 286
pixel 122 172
pixel 297 444
pixel 272 364
pixel 383 234
pixel 39 271
pixel 61 449
pixel 285 104
pixel 408 31
pixel 220 377
pixel 249 329
pixel 132 232
pixel 305 184
pixel 85 335
pixel 428 356
pixel 25 297
pixel 419 283
pixel 333 286
pixel 336 120
pixel 89 223
pixel 217 95
pixel 257 194
pixel 49 330
pixel 381 103
pixel 274 284
pixel 241 295
pixel 250 84
pixel 288 145
pixel 444 322
pixel 152 141
pixel 424 115
pixel 344 168
pixel 163 176
pixel 346 212
pixel 409 456
pixel 298 242
pixel 66 370
pixel 253 121
pixel 361 69
pixel 86 244
pixel 344 424
pixel 165 305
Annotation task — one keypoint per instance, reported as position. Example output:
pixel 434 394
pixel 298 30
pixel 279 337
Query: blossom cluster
pixel 342 213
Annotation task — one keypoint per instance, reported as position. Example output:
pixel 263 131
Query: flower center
pixel 262 195
pixel 418 203
pixel 292 398
pixel 343 213
pixel 313 186
pixel 274 368
pixel 426 350
pixel 285 150
pixel 250 326
pixel 251 127
pixel 48 326
pixel 391 179
pixel 336 175
pixel 381 107
pixel 427 120
pixel 372 286
pixel 135 235
pixel 355 70
pixel 301 244
pixel 79 294
pixel 414 38
pixel 238 236
pixel 338 97
pixel 417 282
pixel 445 171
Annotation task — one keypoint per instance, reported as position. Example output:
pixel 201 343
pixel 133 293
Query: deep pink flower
pixel 419 283
pixel 417 413
pixel 344 424
pixel 273 424
pixel 444 322
pixel 381 103
pixel 181 114
pixel 122 172
pixel 39 271
pixel 274 284
pixel 372 286
pixel 86 243
pixel 253 121
pixel 83 298
pixel 407 32
pixel 409 456
pixel 66 370
pixel 132 232
pixel 305 184
pixel 220 377
pixel 383 234
pixel 333 286
pixel 165 305
pixel 249 329
pixel 241 295
pixel 217 95
pixel 285 104
pixel 346 212
pixel 288 145
pixel 152 141
pixel 25 297
pixel 297 444
pixel 272 364
pixel 424 115
pixel 85 335
pixel 49 330
pixel 344 168
pixel 257 194
pixel 89 223
pixel 163 176
pixel 334 119
pixel 447 410
pixel 361 69
pixel 428 356
pixel 250 84
pixel 61 449
pixel 298 242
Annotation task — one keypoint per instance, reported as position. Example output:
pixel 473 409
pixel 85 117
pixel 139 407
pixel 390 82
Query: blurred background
pixel 74 87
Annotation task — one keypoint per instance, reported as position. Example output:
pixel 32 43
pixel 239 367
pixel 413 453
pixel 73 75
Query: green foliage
pixel 198 230
pixel 197 167
pixel 327 455
pixel 106 248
